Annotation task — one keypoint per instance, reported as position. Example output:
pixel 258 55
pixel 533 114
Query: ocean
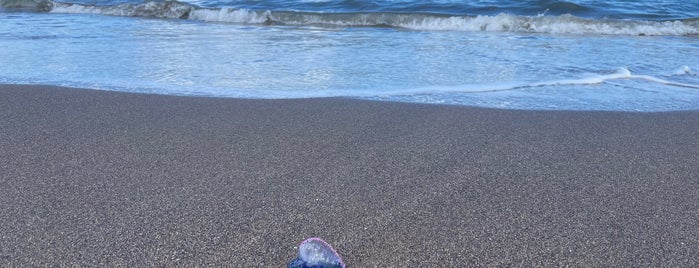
pixel 550 55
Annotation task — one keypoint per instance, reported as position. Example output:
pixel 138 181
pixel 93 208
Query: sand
pixel 97 178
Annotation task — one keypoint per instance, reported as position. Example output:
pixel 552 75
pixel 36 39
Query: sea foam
pixel 620 73
pixel 560 24
pixel 231 15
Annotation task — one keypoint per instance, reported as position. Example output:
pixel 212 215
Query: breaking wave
pixel 558 24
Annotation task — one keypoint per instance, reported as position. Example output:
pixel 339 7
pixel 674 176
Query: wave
pixel 26 5
pixel 621 73
pixel 558 24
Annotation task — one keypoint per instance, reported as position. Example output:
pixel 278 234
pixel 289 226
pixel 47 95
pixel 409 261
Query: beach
pixel 101 178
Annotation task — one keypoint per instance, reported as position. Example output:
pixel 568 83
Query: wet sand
pixel 96 178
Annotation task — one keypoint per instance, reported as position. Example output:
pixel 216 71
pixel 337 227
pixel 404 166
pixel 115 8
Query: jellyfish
pixel 316 253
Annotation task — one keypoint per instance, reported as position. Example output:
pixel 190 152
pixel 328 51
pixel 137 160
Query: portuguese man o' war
pixel 316 253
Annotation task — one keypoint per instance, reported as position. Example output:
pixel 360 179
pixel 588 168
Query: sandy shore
pixel 102 178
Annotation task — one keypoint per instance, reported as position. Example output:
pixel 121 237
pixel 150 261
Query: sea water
pixel 555 55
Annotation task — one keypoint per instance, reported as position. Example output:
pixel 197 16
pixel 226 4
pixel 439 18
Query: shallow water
pixel 497 55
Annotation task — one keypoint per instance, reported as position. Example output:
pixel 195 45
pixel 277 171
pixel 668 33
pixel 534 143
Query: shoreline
pixel 110 178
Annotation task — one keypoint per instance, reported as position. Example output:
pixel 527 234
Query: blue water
pixel 555 55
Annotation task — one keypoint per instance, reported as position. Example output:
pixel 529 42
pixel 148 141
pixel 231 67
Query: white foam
pixel 170 10
pixel 621 73
pixel 663 81
pixel 502 22
pixel 75 9
pixel 684 70
pixel 597 79
pixel 565 24
pixel 230 15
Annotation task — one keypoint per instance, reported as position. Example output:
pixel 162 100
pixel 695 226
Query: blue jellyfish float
pixel 316 253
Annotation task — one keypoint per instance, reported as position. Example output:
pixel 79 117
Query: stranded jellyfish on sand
pixel 316 253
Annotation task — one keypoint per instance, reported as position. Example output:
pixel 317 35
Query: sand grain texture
pixel 101 178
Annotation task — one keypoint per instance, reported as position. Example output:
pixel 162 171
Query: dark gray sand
pixel 109 179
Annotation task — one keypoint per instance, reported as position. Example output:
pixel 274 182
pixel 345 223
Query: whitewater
pixel 552 55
